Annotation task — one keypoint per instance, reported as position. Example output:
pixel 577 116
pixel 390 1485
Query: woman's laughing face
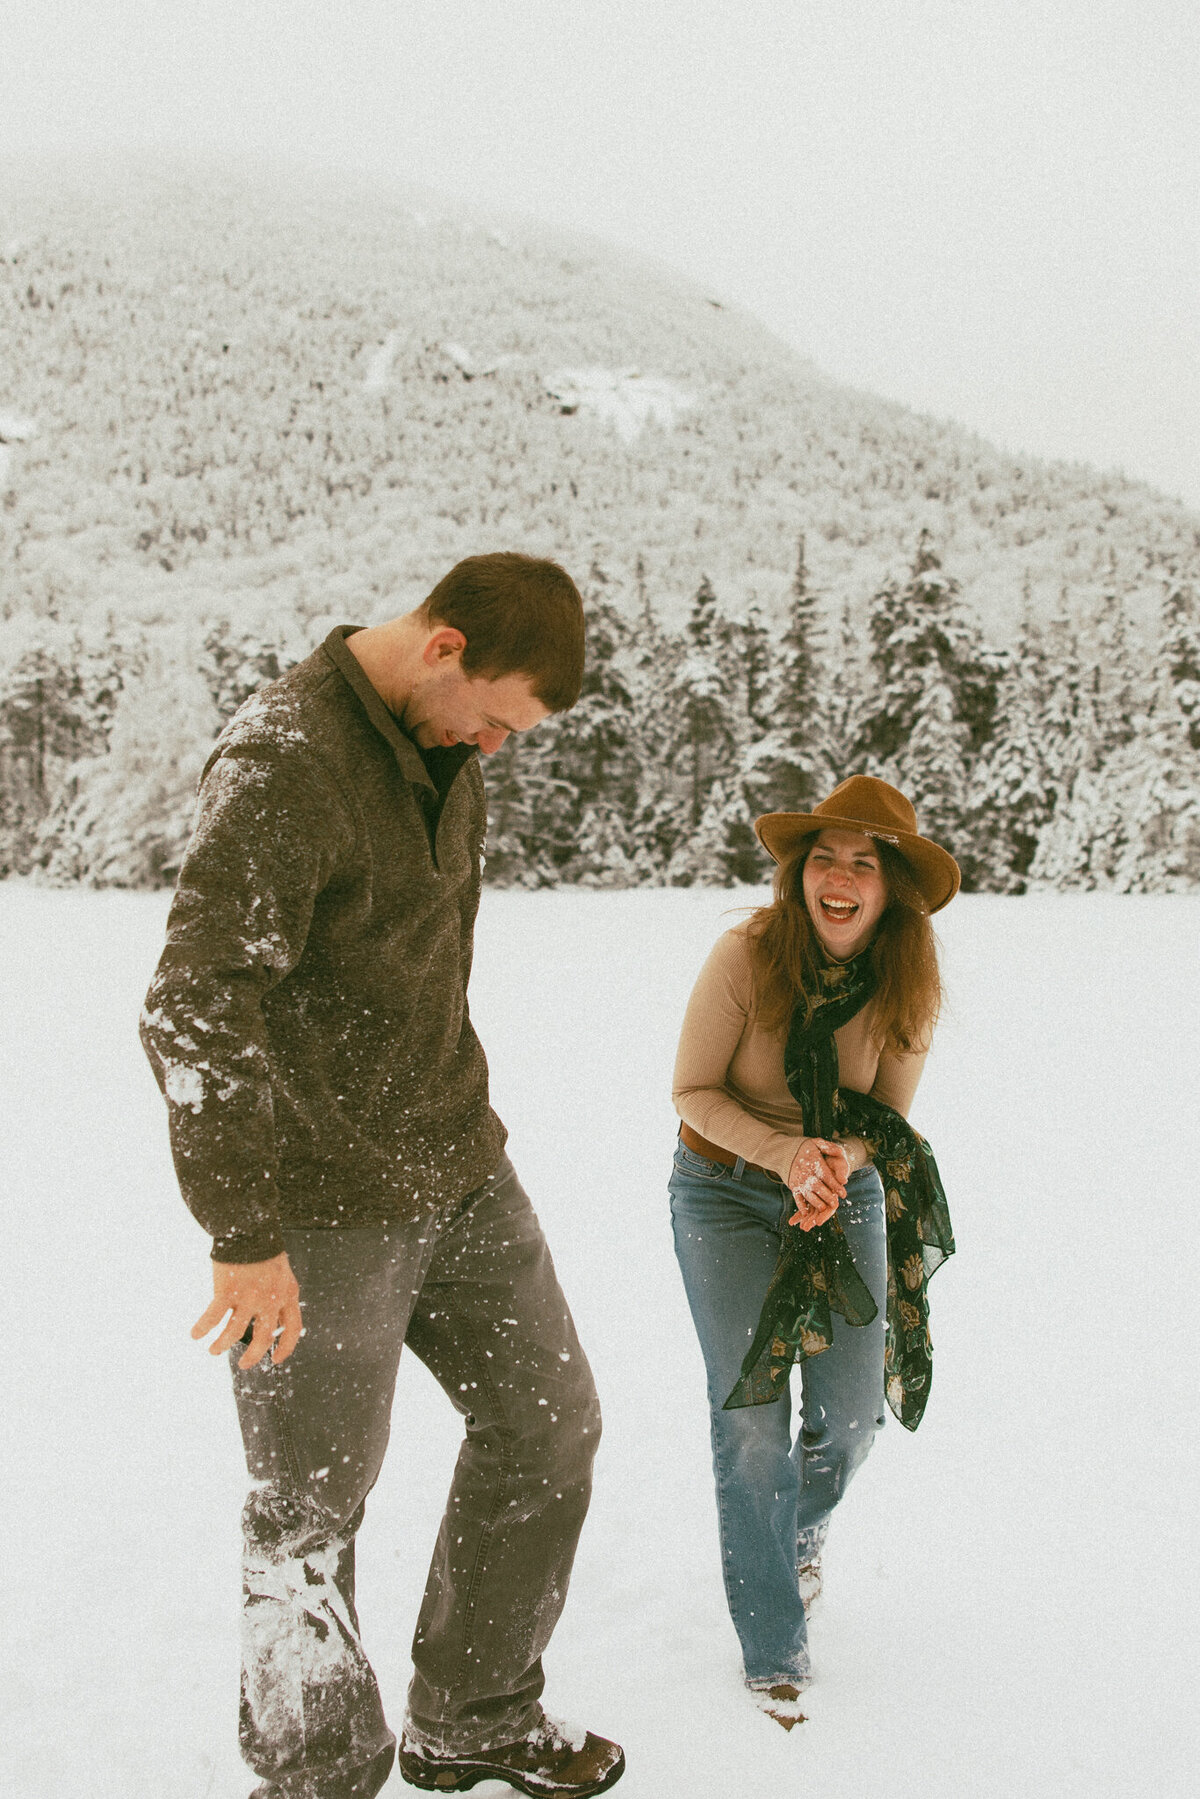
pixel 844 891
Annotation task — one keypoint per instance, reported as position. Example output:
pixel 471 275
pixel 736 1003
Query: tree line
pixel 1067 759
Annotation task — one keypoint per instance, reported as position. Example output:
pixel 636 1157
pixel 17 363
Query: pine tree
pixel 845 679
pixel 929 708
pixel 602 850
pixel 646 622
pixel 755 658
pixel 1158 769
pixel 1119 693
pixel 1180 656
pixel 55 708
pixel 703 706
pixel 1012 795
pixel 596 747
pixel 789 767
pixel 234 663
pixel 596 755
pixel 934 771
pixel 703 620
pixel 561 801
pixel 123 818
pixel 525 807
pixel 705 738
pixel 723 849
pixel 657 820
pixel 1065 704
pixel 1096 741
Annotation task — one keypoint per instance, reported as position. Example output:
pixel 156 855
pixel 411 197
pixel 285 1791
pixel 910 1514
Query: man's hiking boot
pixel 552 1760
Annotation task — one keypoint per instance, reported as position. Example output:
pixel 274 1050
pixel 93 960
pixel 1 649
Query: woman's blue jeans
pixel 775 1496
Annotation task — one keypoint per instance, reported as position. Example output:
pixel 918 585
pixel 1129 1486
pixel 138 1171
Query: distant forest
pixel 1066 760
pixel 233 415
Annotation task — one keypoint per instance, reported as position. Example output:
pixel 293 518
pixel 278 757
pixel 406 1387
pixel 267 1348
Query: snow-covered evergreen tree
pixel 234 662
pixel 596 758
pixel 929 704
pixel 1070 735
pixel 1012 791
pixel 525 804
pixel 722 850
pixel 1095 716
pixel 657 821
pixel 702 703
pixel 1179 659
pixel 1065 703
pixel 847 679
pixel 602 850
pixel 122 819
pixel 1158 769
pixel 934 771
pixel 754 650
pixel 1118 680
pixel 788 767
pixel 704 739
pixel 561 802
pixel 57 698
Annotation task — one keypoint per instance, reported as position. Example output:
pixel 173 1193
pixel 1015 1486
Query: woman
pixel 801 1050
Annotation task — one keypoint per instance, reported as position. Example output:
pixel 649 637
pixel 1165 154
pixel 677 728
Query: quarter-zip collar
pixel 412 763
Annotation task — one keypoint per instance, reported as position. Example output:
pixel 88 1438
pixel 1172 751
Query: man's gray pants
pixel 473 1293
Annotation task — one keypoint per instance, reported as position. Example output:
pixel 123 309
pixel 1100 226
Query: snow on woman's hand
pixel 817 1178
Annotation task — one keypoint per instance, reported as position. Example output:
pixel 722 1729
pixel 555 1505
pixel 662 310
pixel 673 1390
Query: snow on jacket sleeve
pixel 270 830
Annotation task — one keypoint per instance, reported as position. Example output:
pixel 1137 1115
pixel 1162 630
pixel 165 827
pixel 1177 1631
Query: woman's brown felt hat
pixel 864 804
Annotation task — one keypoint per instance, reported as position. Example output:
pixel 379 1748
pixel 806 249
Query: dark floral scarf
pixel 815 1275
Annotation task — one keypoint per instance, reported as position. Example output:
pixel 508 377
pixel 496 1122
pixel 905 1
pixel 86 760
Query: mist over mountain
pixel 235 409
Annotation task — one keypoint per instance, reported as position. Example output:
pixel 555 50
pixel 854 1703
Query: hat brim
pixel 934 869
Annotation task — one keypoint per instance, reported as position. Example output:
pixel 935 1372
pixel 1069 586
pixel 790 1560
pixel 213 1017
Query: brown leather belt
pixel 712 1152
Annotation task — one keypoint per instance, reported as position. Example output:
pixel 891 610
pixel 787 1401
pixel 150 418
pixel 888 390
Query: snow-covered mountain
pixel 235 410
pixel 341 388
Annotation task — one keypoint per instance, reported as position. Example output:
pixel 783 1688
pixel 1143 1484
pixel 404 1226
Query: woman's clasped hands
pixel 817 1178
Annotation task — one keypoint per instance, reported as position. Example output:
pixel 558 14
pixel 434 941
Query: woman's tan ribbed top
pixel 729 1083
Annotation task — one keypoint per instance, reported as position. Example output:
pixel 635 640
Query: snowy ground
pixel 1012 1594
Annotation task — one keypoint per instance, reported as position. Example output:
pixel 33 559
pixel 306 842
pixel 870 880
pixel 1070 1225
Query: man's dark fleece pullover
pixel 308 1019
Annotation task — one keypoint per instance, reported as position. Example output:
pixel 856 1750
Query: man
pixel 331 1130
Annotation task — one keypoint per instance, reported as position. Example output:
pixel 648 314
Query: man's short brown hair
pixel 520 615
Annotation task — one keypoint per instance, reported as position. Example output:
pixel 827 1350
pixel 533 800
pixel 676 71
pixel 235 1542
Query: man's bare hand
pixel 264 1294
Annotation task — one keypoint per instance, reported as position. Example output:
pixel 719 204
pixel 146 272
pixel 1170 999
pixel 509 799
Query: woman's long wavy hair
pixel 786 953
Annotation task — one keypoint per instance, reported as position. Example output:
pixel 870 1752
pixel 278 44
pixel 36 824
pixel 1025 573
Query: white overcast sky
pixel 989 209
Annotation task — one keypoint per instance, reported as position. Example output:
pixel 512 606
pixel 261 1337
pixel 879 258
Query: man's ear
pixel 442 645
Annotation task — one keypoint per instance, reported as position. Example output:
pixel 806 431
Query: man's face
pixel 449 707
